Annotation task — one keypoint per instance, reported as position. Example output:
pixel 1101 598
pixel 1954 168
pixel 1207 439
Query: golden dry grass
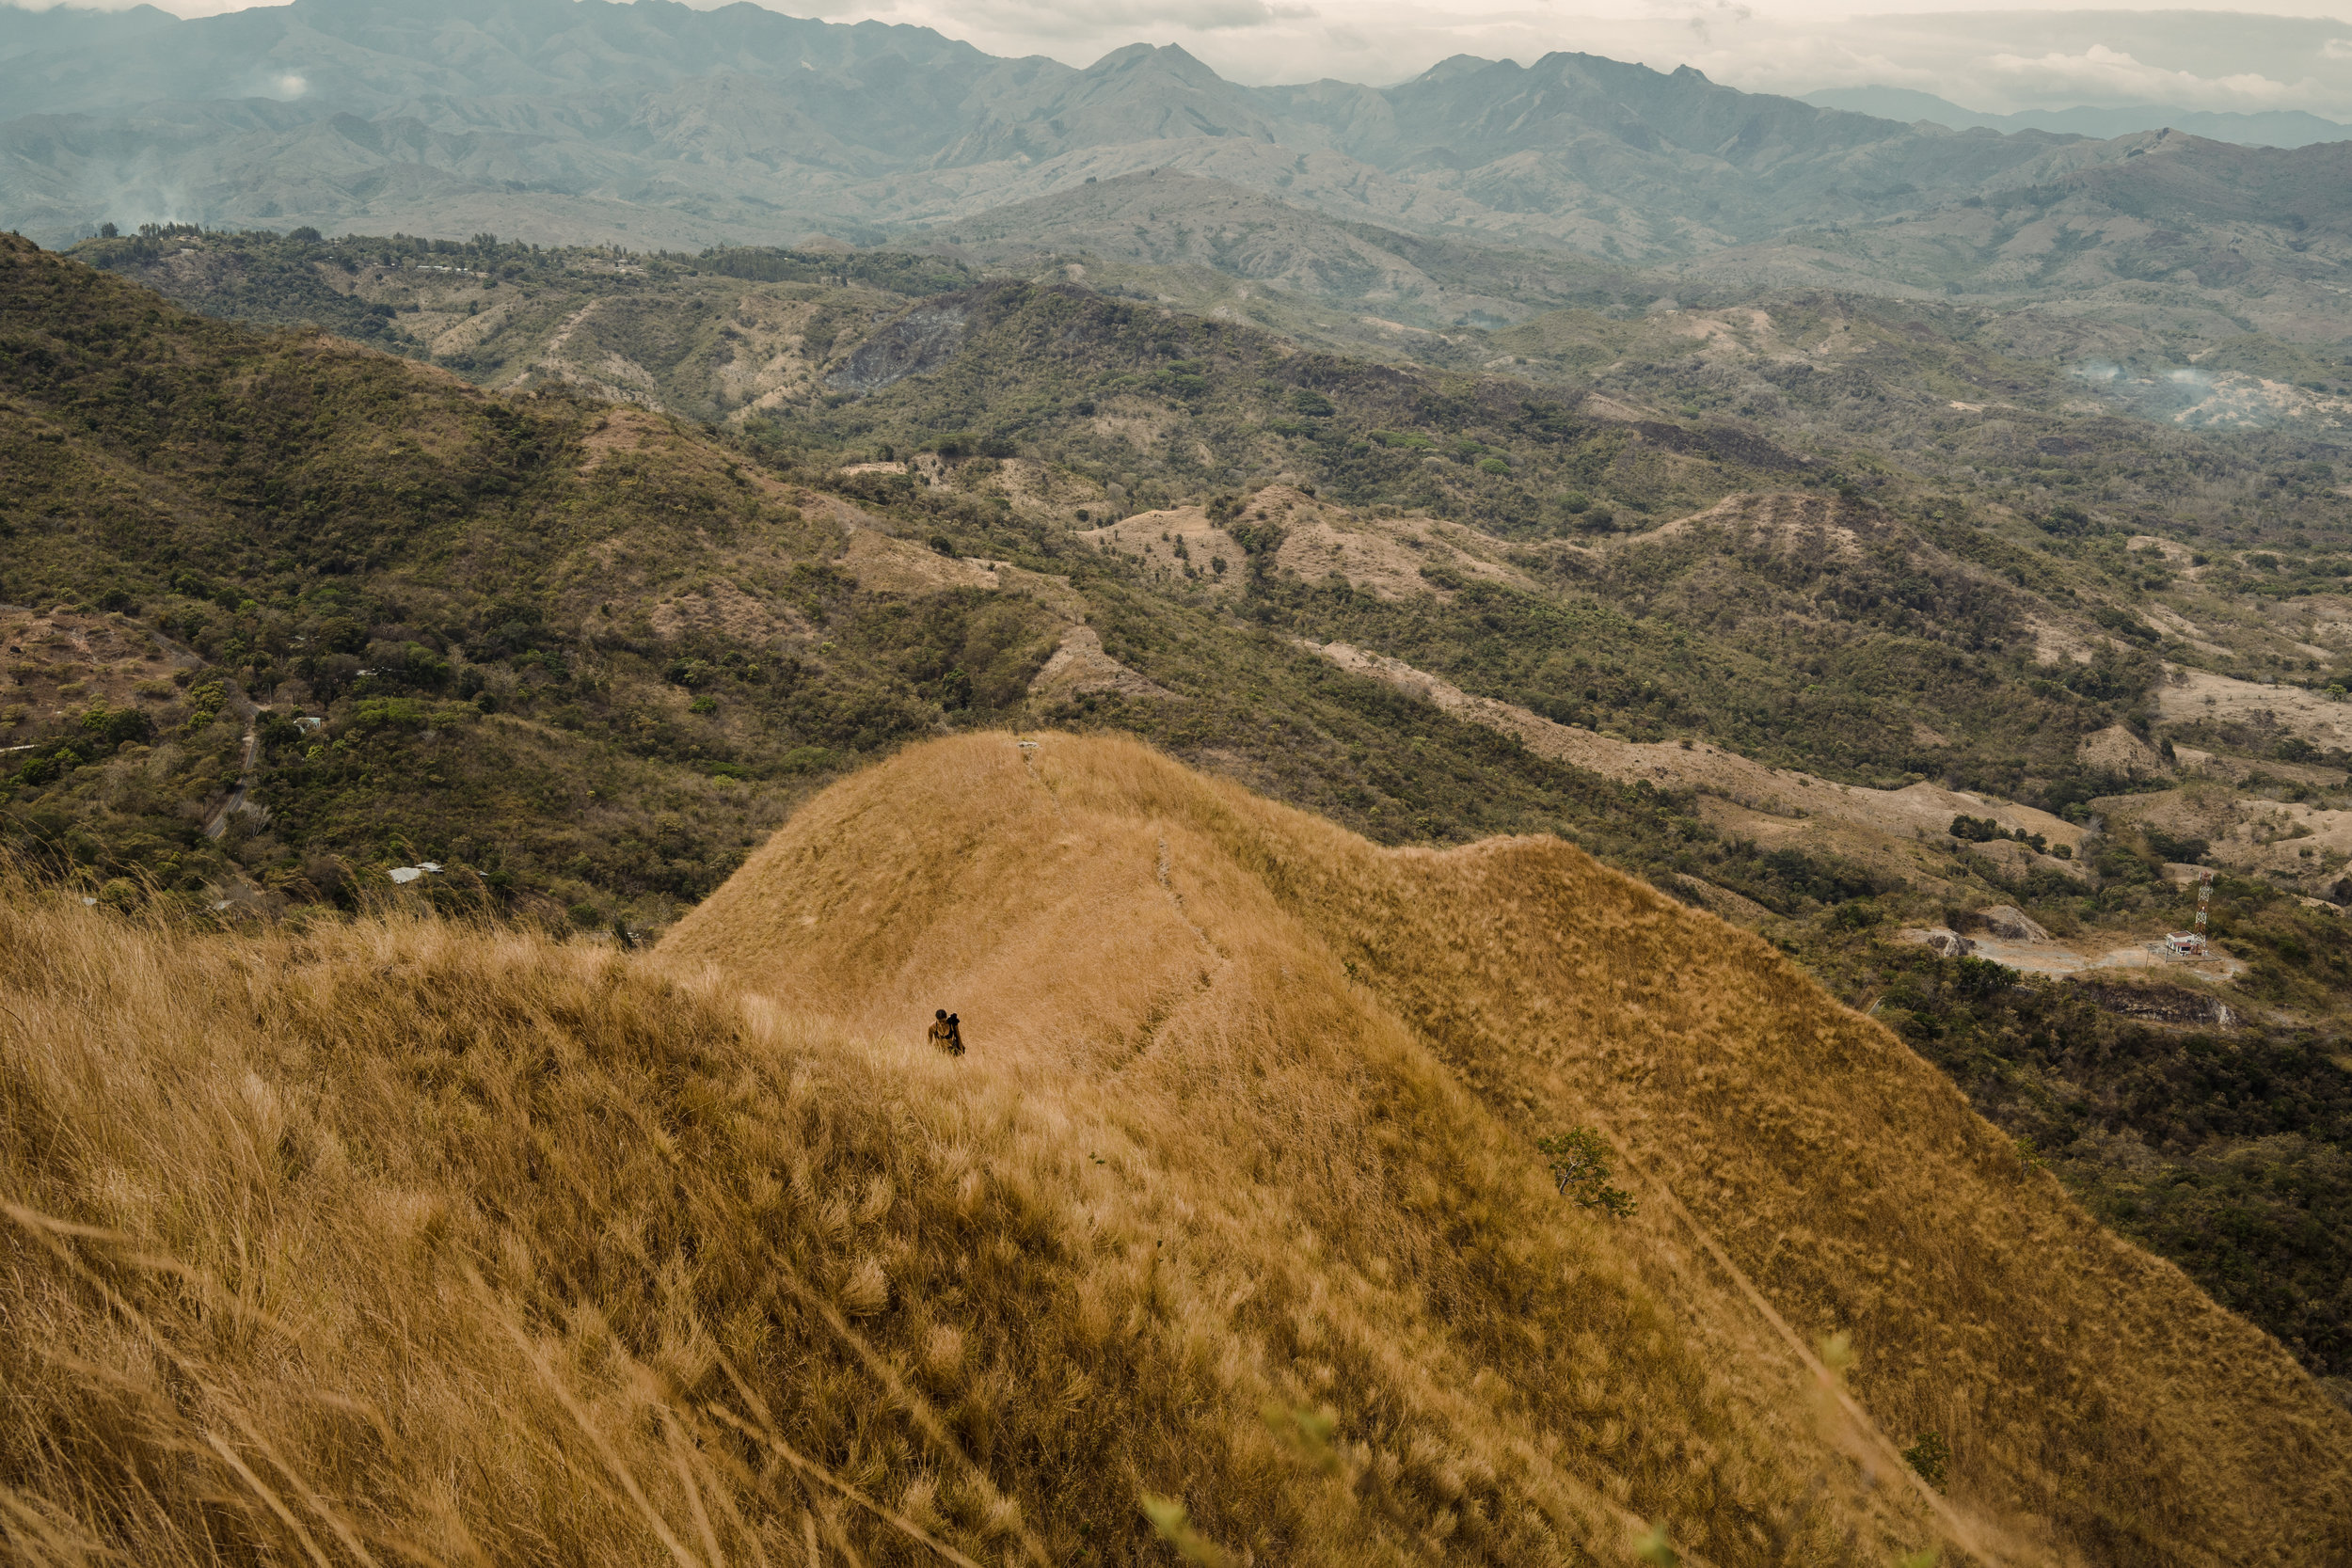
pixel 1112 927
pixel 411 1241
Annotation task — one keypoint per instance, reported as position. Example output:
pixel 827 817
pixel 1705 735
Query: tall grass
pixel 415 1240
pixel 1098 913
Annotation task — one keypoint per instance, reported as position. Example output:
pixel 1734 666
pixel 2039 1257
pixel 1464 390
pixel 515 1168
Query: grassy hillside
pixel 549 641
pixel 1802 1174
pixel 284 614
pixel 1230 1238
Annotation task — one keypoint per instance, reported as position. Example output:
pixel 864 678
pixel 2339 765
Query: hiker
pixel 944 1035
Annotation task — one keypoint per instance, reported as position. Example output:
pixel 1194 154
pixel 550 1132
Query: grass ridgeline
pixel 414 1241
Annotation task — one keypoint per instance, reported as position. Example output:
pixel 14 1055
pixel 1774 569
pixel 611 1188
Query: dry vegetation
pixel 403 1240
pixel 1734 598
pixel 1273 987
pixel 1899 832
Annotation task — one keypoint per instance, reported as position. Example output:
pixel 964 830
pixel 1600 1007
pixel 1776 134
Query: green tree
pixel 1580 1169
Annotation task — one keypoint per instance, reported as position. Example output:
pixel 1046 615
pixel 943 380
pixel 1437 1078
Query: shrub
pixel 392 713
pixel 205 701
pixel 1979 977
pixel 1930 1456
pixel 49 766
pixel 1258 539
pixel 1580 1169
pixel 2180 850
pixel 113 726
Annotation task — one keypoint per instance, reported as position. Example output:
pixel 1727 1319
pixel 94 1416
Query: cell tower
pixel 2191 944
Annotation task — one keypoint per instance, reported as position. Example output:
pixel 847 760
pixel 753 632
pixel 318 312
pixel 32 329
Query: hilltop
pixel 1234 1213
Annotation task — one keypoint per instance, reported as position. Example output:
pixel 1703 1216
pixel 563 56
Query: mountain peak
pixel 1454 66
pixel 1168 57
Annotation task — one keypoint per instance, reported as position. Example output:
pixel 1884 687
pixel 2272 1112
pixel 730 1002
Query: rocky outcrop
pixel 1942 942
pixel 2010 924
pixel 923 340
pixel 2157 1004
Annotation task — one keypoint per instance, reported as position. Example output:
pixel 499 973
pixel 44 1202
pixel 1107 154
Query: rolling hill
pixel 1597 504
pixel 1231 1230
pixel 1848 620
pixel 581 655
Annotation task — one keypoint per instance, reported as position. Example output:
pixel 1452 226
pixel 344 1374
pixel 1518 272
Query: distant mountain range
pixel 655 125
pixel 2286 128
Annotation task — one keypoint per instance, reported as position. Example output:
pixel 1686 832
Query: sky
pixel 1998 58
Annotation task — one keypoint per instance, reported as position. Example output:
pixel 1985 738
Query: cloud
pixel 2015 59
pixel 1700 17
pixel 2100 74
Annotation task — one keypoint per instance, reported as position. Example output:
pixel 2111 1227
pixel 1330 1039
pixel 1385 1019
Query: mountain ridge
pixel 1573 955
pixel 1245 1236
pixel 930 128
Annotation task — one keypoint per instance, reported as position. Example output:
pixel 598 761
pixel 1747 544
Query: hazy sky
pixel 2287 54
